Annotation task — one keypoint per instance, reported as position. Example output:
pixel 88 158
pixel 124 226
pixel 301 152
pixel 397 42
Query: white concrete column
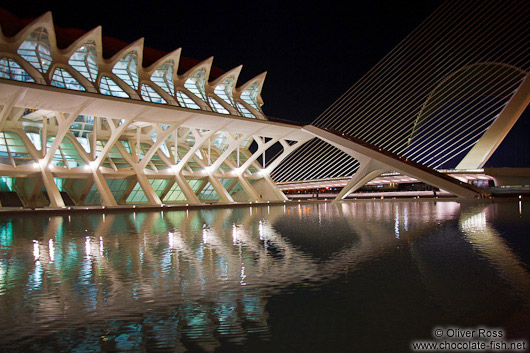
pixel 103 188
pixel 268 189
pixel 9 104
pixel 115 134
pixel 262 147
pixel 152 197
pixel 186 189
pixel 252 194
pixel 54 194
pixel 160 138
pixel 224 195
pixel 368 170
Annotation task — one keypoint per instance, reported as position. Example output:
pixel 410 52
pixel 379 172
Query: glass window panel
pixel 83 125
pixel 185 101
pixel 62 78
pixel 35 139
pixel 220 141
pixel 126 145
pixel 208 193
pixel 163 77
pixel 93 197
pixel 250 95
pixel 127 69
pixel 36 50
pixel 150 95
pixel 159 185
pixel 174 194
pixel 60 183
pixel 164 149
pixel 85 61
pixel 11 70
pixel 110 88
pixel 224 90
pixel 117 187
pixel 137 195
pixel 246 142
pixel 6 183
pixel 217 107
pixel 195 83
pixel 11 145
pixel 244 111
pixel 83 141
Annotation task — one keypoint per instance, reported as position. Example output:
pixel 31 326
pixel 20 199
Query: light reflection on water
pixel 230 279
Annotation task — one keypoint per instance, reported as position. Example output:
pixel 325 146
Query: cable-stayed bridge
pixel 445 97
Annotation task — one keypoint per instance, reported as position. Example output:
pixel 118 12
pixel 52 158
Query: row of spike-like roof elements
pixel 32 55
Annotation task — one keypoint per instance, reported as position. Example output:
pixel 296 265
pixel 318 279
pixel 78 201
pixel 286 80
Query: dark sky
pixel 312 53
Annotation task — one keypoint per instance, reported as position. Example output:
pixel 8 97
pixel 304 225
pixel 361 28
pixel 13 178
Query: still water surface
pixel 346 277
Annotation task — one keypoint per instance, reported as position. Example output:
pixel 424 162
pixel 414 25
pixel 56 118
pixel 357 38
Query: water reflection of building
pixel 204 275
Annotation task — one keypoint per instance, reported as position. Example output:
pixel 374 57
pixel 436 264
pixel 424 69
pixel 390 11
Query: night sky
pixel 312 53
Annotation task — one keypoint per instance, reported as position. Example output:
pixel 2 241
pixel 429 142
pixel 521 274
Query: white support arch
pixel 492 138
pixel 368 170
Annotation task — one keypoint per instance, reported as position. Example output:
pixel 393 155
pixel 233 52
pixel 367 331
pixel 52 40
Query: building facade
pixel 80 129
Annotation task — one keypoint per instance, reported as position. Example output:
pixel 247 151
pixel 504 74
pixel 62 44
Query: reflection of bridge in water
pixel 79 129
pixel 215 268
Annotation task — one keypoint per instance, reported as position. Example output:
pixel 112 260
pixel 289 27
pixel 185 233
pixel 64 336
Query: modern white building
pixel 79 128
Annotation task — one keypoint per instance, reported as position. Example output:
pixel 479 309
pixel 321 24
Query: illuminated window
pixel 137 194
pixel 195 84
pixel 83 141
pixel 126 145
pixel 250 95
pixel 224 90
pixel 85 61
pixel 82 126
pixel 11 70
pixel 208 193
pixel 110 88
pixel 62 78
pixel 127 69
pixel 217 107
pixel 175 194
pixel 163 77
pixel 150 95
pixel 12 150
pixel 35 139
pixel 7 183
pixel 118 187
pixel 36 50
pixel 185 101
pixel 244 111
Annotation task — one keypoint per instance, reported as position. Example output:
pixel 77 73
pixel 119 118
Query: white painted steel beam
pixel 492 138
pixel 362 151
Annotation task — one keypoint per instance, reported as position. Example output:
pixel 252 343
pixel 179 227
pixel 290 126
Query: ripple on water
pixel 208 280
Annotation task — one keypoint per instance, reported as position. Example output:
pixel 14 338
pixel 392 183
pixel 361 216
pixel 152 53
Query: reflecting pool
pixel 327 277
